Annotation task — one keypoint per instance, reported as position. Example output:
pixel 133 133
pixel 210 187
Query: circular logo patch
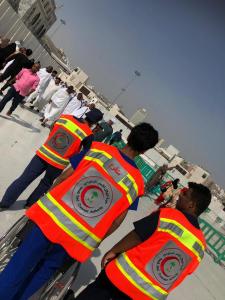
pixel 168 265
pixel 60 140
pixel 92 196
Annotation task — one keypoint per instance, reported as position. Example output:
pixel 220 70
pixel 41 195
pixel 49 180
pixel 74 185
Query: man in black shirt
pixel 5 52
pixel 20 61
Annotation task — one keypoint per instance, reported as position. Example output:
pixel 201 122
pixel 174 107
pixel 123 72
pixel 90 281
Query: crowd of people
pixel 88 187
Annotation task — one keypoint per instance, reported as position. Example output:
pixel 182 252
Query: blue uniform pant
pixel 35 168
pixel 34 263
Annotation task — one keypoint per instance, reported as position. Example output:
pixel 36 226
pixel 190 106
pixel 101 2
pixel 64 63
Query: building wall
pixel 13 27
pixel 197 174
pixel 76 78
pixel 38 15
pixel 139 116
pixel 172 150
pixel 156 157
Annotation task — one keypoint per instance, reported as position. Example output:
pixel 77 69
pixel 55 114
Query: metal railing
pixel 215 242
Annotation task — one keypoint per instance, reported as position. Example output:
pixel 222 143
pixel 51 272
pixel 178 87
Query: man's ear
pixel 192 205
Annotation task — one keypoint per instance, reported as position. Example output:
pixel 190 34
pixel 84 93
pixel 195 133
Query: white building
pixel 37 15
pixel 76 78
pixel 197 174
pixel 139 116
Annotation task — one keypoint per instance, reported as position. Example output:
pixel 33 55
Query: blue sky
pixel 179 48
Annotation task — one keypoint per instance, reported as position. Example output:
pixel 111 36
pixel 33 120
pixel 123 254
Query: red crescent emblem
pixel 85 190
pixel 164 261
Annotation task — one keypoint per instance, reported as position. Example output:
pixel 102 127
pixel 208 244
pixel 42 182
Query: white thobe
pixel 45 78
pixel 80 113
pixel 41 101
pixel 73 105
pixel 59 101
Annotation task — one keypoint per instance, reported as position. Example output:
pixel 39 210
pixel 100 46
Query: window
pixel 181 170
pixel 35 19
pixel 46 5
pixel 84 90
pixel 77 70
pixel 40 29
pixel 48 11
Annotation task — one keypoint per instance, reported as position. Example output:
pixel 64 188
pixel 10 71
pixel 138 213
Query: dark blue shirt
pixel 76 159
pixel 148 225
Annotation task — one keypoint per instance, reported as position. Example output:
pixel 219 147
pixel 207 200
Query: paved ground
pixel 19 138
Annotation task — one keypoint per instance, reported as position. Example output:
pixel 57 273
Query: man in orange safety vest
pixel 153 259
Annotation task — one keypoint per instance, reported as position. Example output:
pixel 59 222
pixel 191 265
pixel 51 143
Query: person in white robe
pixel 80 113
pixel 45 76
pixel 54 86
pixel 75 103
pixel 57 104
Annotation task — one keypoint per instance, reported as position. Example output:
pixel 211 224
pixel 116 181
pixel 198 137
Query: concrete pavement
pixel 20 136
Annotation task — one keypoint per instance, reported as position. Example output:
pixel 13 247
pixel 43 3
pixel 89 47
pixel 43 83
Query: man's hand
pixel 107 258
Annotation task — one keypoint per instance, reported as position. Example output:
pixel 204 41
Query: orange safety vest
pixel 63 141
pixel 155 267
pixel 78 213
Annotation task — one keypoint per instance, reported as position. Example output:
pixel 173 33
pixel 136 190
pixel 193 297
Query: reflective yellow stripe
pixel 60 157
pixel 158 288
pixel 52 216
pixel 159 293
pixel 102 152
pixel 51 157
pixel 130 200
pixel 72 127
pixel 134 183
pixel 74 221
pixel 126 275
pixel 101 164
pixel 98 161
pixel 187 238
pixel 121 183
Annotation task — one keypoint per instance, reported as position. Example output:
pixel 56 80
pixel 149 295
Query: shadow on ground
pixel 21 122
pixel 87 273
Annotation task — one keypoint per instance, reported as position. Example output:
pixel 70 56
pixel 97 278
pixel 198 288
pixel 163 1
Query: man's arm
pixel 118 221
pixel 66 174
pixel 34 85
pixel 155 179
pixel 144 229
pixel 130 241
pixel 11 57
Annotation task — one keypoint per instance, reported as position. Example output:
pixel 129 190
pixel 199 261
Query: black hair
pixel 143 137
pixel 55 72
pixel 90 122
pixel 201 195
pixel 58 78
pixel 50 69
pixel 175 183
pixel 29 52
pixel 94 116
pixel 121 130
